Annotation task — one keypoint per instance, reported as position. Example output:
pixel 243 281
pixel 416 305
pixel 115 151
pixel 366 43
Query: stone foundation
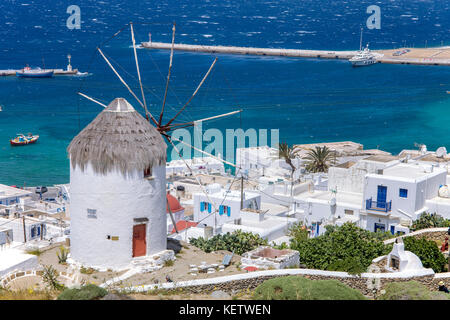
pixel 269 258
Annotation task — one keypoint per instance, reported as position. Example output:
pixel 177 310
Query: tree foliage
pixel 341 248
pixel 287 153
pixel 238 241
pixel 319 159
pixel 427 220
pixel 299 288
pixel 427 251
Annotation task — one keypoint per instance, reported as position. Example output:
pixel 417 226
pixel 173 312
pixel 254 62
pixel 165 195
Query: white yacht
pixel 363 58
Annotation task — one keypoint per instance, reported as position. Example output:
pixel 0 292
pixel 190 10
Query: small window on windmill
pixel 148 173
pixel 92 213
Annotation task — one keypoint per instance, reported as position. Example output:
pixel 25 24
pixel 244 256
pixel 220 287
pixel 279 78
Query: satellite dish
pixel 441 152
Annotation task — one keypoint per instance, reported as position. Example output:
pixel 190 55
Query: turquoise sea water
pixel 385 106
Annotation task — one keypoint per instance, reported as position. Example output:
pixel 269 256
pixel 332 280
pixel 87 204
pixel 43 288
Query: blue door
pixel 381 197
pixel 393 229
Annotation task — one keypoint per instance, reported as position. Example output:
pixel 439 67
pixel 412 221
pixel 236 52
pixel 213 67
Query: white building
pixel 198 165
pixel 399 192
pixel 265 161
pixel 226 202
pixel 221 212
pixel 117 189
pixel 377 193
pixel 11 195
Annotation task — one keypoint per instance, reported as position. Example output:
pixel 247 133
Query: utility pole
pixel 24 229
pixel 242 192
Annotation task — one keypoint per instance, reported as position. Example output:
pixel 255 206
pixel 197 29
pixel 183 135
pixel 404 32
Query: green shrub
pixel 411 290
pixel 427 251
pixel 35 252
pixel 299 288
pixel 238 241
pixel 62 254
pixel 352 265
pixel 85 270
pixel 341 248
pixel 427 220
pixel 50 278
pixel 87 292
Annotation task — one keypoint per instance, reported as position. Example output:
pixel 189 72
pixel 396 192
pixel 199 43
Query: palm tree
pixel 287 153
pixel 320 159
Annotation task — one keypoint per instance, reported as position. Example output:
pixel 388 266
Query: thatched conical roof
pixel 119 138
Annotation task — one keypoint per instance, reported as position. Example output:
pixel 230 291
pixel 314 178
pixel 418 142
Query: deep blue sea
pixel 385 106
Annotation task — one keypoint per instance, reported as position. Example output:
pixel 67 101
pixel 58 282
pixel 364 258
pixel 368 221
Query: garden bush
pixel 299 288
pixel 87 292
pixel 427 220
pixel 427 251
pixel 341 248
pixel 238 241
pixel 411 290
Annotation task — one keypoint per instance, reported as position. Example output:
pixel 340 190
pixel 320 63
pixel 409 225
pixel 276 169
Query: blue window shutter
pixel 228 211
pixel 209 207
pixel 403 193
pixel 221 210
pixel 202 206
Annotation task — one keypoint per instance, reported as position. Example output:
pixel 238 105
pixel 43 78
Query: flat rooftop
pixel 342 148
pixel 341 197
pixel 411 171
pixel 382 158
pixel 7 192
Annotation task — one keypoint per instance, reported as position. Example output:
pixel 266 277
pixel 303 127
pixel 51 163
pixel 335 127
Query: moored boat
pixel 27 72
pixel 21 139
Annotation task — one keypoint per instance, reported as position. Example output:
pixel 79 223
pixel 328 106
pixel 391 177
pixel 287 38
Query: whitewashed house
pixel 377 193
pixel 11 195
pixel 226 202
pixel 197 165
pixel 221 212
pixel 264 161
pixel 399 192
pixel 117 189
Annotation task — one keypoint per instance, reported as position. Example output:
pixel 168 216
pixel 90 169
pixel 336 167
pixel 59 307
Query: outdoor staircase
pixel 145 264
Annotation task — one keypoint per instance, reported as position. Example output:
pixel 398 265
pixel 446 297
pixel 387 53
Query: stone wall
pixel 368 284
pixel 358 283
pixel 429 234
pixel 16 274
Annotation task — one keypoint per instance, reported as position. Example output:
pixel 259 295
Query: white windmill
pixel 111 223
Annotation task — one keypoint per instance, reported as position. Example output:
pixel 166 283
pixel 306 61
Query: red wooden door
pixel 139 243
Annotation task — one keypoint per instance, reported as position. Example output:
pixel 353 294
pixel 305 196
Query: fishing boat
pixel 21 139
pixel 27 72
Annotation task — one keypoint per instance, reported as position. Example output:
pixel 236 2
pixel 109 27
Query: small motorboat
pixel 27 72
pixel 22 140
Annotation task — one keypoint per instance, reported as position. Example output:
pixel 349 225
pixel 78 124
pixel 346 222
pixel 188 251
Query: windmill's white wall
pixel 118 201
